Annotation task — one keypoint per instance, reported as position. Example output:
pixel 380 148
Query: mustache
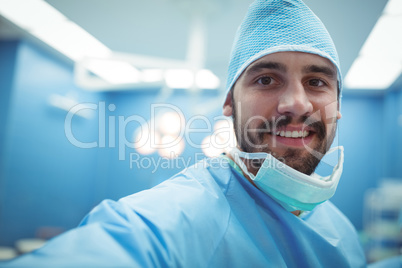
pixel 271 125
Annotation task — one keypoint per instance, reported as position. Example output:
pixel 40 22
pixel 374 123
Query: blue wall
pixel 360 131
pixel 8 51
pixel 371 132
pixel 47 181
pixel 392 134
pixel 44 180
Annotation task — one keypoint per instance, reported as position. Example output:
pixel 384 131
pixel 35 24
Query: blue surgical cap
pixel 279 25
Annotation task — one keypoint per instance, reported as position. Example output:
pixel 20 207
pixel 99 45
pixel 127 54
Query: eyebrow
pixel 329 72
pixel 265 65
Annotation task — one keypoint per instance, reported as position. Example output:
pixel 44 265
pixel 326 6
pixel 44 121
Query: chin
pixel 303 162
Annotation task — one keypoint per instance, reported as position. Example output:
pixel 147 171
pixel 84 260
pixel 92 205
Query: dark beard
pixel 255 143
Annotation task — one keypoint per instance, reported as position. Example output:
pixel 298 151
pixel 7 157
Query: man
pixel 286 87
pixel 246 209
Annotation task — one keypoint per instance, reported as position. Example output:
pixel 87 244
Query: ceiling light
pixel 72 41
pixel 393 7
pixel 206 79
pixel 373 73
pixel 30 14
pixel 384 40
pixel 145 140
pixel 114 72
pixel 151 75
pixel 379 62
pixel 179 78
pixel 171 123
pixel 49 25
pixel 208 149
pixel 171 146
pixel 225 136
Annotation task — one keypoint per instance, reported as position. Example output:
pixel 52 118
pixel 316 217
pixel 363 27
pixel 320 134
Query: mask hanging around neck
pixel 292 189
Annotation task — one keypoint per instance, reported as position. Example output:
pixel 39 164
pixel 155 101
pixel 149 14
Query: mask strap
pixel 340 159
pixel 338 167
pixel 333 149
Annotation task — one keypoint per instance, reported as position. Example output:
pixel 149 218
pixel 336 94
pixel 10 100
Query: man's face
pixel 286 104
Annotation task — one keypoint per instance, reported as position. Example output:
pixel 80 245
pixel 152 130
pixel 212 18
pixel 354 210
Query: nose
pixel 294 100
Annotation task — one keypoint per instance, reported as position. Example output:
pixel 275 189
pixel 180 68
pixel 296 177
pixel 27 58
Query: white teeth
pixel 293 134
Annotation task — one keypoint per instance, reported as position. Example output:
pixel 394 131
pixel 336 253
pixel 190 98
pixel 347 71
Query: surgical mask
pixel 292 189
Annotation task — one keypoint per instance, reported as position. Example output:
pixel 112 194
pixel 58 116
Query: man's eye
pixel 316 82
pixel 266 80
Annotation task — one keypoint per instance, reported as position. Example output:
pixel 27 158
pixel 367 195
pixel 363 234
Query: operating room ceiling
pixel 161 27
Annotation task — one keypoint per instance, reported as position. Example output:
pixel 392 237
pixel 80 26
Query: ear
pixel 228 105
pixel 338 114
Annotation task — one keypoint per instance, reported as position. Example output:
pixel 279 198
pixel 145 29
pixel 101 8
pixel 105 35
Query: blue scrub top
pixel 208 215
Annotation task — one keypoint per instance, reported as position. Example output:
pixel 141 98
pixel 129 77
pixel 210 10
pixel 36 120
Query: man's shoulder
pixel 327 215
pixel 194 190
pixel 211 174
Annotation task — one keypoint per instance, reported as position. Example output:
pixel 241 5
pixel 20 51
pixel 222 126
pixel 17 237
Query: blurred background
pixel 84 84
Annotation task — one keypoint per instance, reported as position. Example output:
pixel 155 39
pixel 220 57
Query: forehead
pixel 291 60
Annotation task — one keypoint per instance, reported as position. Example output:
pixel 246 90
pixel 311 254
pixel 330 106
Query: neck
pixel 296 212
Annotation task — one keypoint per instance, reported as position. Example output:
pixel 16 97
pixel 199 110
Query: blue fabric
pixel 207 216
pixel 279 25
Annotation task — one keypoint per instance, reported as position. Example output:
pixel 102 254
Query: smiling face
pixel 286 104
